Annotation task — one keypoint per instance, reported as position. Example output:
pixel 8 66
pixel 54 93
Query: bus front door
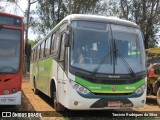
pixel 60 84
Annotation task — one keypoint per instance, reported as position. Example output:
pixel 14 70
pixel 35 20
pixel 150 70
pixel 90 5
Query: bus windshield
pixel 9 50
pixel 108 47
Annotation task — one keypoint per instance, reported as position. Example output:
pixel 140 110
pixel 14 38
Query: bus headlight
pixel 14 90
pixel 6 92
pixel 79 88
pixel 141 89
pixel 75 86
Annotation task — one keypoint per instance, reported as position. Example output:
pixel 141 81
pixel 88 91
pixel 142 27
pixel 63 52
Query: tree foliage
pixel 81 6
pixel 1 8
pixel 146 13
pixel 50 12
pixel 32 42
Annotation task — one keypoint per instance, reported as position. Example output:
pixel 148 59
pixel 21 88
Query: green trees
pixel 28 47
pixel 146 13
pixel 50 12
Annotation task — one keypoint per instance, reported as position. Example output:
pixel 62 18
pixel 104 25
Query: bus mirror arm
pixel 66 39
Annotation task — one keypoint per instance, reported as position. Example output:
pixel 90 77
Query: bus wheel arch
pixel 57 106
pixel 52 88
pixel 36 91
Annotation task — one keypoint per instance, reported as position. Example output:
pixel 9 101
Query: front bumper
pixel 11 99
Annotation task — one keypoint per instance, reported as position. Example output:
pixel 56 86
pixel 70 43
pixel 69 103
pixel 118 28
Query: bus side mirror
pixel 66 39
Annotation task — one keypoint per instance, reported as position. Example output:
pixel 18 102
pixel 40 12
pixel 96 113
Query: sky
pixel 14 9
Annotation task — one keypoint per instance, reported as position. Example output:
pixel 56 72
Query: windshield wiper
pixel 116 52
pixel 124 61
pixel 101 62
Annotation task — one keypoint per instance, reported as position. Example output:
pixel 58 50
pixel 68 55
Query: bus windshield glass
pixel 108 48
pixel 9 50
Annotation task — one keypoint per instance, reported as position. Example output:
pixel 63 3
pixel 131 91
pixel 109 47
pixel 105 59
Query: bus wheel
pixel 158 96
pixel 36 91
pixel 57 106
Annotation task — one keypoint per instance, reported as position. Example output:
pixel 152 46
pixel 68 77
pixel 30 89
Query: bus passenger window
pixel 62 48
pixel 38 53
pixel 35 53
pixel 57 43
pixel 52 46
pixel 47 47
pixel 32 56
pixel 42 50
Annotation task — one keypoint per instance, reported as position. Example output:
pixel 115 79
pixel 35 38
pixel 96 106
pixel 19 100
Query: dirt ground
pixel 42 103
pixel 45 104
pixel 39 103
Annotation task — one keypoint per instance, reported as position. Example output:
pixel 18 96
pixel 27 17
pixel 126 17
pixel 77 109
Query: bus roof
pixel 8 14
pixel 69 18
pixel 98 18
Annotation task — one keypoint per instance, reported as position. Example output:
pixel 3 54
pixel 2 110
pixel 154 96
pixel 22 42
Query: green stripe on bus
pixel 104 88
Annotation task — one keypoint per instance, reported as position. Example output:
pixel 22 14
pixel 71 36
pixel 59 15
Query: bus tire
pixel 35 90
pixel 57 106
pixel 158 96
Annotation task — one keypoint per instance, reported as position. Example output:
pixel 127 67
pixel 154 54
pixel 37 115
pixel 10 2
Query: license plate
pixel 114 104
pixel 7 100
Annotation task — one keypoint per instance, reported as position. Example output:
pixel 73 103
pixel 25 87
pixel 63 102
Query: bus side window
pixel 35 54
pixel 52 44
pixel 38 52
pixel 39 55
pixel 57 43
pixel 47 47
pixel 43 56
pixel 61 38
pixel 42 50
pixel 61 56
pixel 32 56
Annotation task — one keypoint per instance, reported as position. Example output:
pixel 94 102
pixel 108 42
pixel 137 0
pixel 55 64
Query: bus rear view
pixel 11 51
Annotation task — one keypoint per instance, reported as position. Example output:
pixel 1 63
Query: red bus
pixel 11 58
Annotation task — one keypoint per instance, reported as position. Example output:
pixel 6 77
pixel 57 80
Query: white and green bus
pixel 91 62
